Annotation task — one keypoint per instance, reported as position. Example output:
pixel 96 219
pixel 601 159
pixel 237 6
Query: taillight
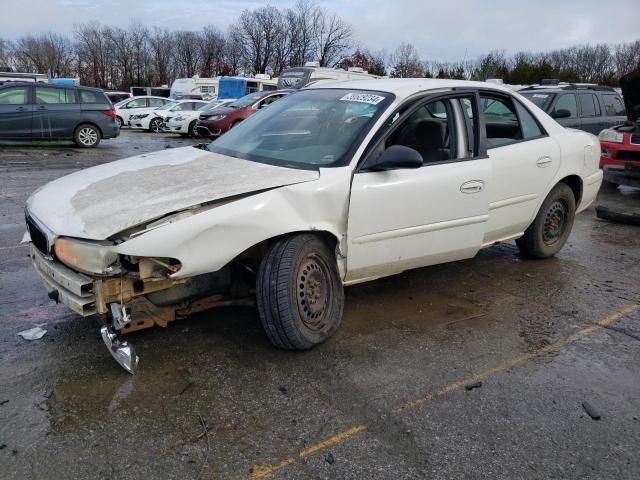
pixel 110 113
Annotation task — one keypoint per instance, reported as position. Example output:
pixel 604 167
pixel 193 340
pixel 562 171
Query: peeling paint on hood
pixel 101 201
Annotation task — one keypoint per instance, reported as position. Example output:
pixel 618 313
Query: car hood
pixel 220 111
pixel 630 86
pixel 102 201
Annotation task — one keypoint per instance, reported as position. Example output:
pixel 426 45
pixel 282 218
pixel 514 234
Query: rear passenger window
pixel 567 102
pixel 156 102
pixel 530 127
pixel 48 95
pixel 14 96
pixel 613 105
pixel 501 121
pixel 89 96
pixel 588 105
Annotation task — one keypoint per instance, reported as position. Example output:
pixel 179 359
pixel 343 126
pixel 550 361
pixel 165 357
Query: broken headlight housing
pixel 87 257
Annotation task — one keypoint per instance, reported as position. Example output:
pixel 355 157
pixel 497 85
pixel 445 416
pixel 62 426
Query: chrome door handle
pixel 544 162
pixel 472 186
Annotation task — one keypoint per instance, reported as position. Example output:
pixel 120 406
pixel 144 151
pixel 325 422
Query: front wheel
pixel 119 122
pixel 193 131
pixel 299 292
pixel 86 136
pixel 552 226
pixel 155 125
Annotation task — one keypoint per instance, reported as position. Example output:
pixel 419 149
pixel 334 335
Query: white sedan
pixel 153 120
pixel 332 185
pixel 137 105
pixel 185 122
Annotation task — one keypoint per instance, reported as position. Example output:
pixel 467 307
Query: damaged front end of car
pixel 128 293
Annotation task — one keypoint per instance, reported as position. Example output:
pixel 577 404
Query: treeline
pixel 268 40
pixel 602 64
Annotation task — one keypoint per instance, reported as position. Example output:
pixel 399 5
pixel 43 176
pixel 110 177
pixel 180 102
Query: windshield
pixel 307 129
pixel 211 105
pixel 122 102
pixel 542 100
pixel 246 100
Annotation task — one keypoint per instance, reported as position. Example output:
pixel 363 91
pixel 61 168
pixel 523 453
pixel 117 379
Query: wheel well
pixel 575 183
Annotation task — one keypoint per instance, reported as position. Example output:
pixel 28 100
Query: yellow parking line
pixel 264 471
pixel 260 472
pixel 14 247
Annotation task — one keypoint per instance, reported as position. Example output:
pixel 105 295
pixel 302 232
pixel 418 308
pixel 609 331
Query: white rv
pixel 195 88
pixel 312 72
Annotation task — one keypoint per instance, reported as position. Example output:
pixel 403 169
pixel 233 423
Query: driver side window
pixel 427 130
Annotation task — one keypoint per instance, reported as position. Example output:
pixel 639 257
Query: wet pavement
pixel 475 369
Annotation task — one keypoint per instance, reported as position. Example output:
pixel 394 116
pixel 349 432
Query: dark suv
pixel 591 108
pixel 48 112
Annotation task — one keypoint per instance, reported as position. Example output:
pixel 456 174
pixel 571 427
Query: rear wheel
pixel 299 292
pixel 86 136
pixel 552 226
pixel 155 125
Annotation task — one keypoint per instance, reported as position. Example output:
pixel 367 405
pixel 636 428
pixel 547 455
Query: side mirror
pixel 562 113
pixel 397 156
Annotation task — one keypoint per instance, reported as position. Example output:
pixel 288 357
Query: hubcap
pixel 119 122
pixel 554 222
pixel 88 136
pixel 313 291
pixel 155 126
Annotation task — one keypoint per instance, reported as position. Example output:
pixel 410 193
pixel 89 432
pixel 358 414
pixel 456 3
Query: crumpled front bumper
pixel 73 289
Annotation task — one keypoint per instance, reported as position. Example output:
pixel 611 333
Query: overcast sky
pixel 442 30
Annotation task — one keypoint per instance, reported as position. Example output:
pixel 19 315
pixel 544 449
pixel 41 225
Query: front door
pixel 406 218
pixel 15 112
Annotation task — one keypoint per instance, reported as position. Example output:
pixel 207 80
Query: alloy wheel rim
pixel 313 292
pixel 555 222
pixel 88 136
pixel 155 126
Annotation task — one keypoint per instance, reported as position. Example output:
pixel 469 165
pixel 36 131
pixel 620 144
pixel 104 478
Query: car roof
pixel 50 85
pixel 405 87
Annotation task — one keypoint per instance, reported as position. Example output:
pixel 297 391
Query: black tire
pixel 299 292
pixel 87 136
pixel 155 125
pixel 119 122
pixel 192 129
pixel 552 225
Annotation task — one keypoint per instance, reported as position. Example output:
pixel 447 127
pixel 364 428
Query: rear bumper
pixel 590 188
pixel 110 131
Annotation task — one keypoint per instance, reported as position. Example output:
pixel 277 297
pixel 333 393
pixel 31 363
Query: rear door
pixel 524 160
pixel 56 112
pixel 16 112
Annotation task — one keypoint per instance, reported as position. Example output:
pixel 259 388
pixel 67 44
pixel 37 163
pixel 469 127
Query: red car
pixel 215 122
pixel 620 145
pixel 116 97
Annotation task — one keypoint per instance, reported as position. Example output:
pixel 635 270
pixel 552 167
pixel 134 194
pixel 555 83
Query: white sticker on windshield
pixel 539 95
pixel 363 98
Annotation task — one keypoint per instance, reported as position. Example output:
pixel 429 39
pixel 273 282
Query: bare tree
pixel 161 51
pixel 46 52
pixel 405 62
pixel 212 47
pixel 332 36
